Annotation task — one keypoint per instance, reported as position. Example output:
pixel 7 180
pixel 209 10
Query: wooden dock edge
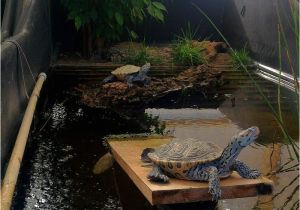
pixel 183 191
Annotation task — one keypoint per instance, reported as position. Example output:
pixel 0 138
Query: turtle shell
pixel 122 71
pixel 178 156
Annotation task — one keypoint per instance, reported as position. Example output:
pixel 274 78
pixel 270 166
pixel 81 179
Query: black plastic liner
pixel 26 37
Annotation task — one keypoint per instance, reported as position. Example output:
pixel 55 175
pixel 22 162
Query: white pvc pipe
pixel 12 171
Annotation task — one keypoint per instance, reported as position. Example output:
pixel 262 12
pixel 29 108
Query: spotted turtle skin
pixel 192 159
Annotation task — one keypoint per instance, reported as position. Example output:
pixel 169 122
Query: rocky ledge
pixel 118 95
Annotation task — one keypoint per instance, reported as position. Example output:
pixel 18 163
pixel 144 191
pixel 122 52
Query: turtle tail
pixel 144 155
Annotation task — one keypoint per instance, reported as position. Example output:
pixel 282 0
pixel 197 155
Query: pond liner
pixel 27 23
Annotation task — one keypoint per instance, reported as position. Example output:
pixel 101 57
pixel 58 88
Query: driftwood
pixel 119 95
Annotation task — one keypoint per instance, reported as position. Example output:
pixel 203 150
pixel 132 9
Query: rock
pixel 103 164
pixel 118 86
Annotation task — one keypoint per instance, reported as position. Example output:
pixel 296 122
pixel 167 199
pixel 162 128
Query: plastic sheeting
pixel 25 52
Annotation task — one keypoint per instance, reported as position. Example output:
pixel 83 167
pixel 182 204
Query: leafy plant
pixel 109 19
pixel 141 56
pixel 184 52
pixel 240 56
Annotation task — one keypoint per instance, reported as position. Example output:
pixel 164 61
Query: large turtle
pixel 196 160
pixel 130 74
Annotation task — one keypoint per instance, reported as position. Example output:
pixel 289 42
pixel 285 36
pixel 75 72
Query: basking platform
pixel 127 155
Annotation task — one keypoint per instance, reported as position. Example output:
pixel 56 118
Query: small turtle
pixel 131 74
pixel 196 160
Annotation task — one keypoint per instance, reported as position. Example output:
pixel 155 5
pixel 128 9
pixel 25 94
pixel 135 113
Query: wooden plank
pixel 127 155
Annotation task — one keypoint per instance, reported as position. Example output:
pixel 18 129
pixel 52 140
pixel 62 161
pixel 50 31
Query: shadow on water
pixel 67 138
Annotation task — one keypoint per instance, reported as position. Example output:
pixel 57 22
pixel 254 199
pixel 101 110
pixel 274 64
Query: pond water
pixel 67 141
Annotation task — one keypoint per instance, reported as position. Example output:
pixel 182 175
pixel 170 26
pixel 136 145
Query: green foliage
pixel 240 57
pixel 110 18
pixel 155 125
pixel 187 34
pixel 184 52
pixel 141 56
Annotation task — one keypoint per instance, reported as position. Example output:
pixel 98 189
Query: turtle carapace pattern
pixel 130 74
pixel 192 159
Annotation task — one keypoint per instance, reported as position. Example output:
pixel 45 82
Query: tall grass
pixel 241 55
pixel 283 44
pixel 277 115
pixel 184 52
pixel 141 56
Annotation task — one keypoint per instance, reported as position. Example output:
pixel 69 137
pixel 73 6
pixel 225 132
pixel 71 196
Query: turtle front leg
pixel 110 78
pixel 244 171
pixel 129 80
pixel 157 175
pixel 210 174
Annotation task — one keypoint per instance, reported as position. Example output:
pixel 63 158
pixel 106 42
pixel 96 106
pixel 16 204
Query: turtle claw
pixel 244 171
pixel 156 175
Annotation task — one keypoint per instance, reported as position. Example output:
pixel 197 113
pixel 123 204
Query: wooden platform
pixel 127 155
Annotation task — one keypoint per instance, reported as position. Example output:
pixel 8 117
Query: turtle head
pixel 239 141
pixel 246 137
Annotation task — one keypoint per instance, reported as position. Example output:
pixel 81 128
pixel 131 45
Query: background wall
pixel 255 24
pixel 182 12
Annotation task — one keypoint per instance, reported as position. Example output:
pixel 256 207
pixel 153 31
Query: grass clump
pixel 185 52
pixel 240 57
pixel 141 56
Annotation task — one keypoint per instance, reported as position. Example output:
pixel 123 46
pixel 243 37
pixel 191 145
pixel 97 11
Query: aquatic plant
pixel 288 139
pixel 283 48
pixel 109 19
pixel 155 125
pixel 240 56
pixel 184 51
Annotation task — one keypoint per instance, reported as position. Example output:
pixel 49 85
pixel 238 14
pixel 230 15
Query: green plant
pixel 240 56
pixel 155 125
pixel 141 56
pixel 109 19
pixel 289 140
pixel 283 49
pixel 184 51
pixel 187 34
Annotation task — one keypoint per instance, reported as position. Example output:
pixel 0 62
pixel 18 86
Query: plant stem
pixel 280 123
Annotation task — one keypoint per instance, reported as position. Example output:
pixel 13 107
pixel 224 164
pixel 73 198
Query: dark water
pixel 67 140
pixel 63 148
